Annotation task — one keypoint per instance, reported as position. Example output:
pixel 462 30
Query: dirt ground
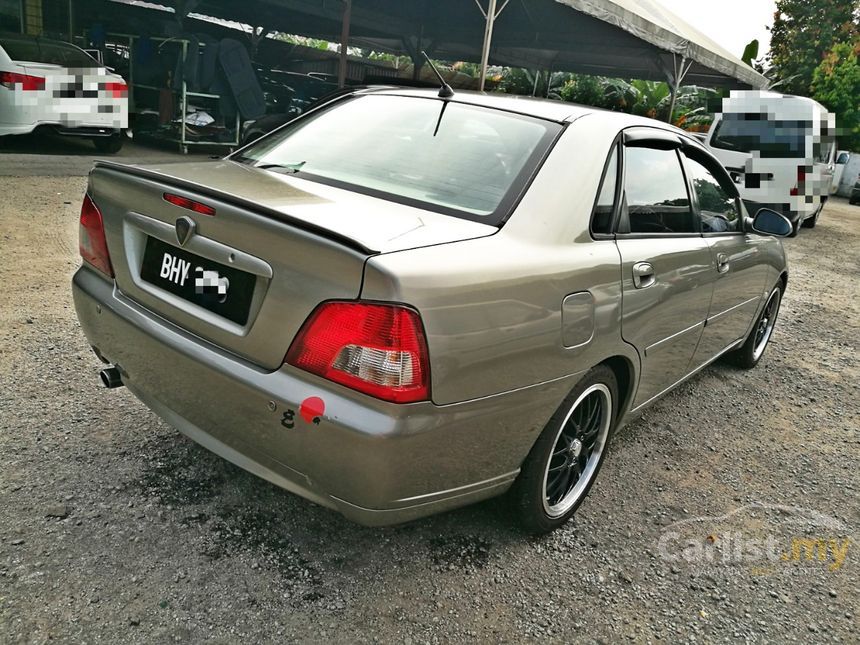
pixel 729 511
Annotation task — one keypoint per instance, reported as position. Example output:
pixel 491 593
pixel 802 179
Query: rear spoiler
pixel 233 200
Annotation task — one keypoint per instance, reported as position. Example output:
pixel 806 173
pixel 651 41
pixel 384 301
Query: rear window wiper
pixel 290 168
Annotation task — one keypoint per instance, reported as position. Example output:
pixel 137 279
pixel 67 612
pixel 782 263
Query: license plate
pixel 223 290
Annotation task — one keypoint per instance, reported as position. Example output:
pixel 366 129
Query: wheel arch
pixel 625 376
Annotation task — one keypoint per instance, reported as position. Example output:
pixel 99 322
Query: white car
pixel 49 83
pixel 842 159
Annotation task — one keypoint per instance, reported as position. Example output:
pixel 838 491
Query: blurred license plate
pixel 223 290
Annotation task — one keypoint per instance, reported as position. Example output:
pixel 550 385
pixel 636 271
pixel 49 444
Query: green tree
pixel 836 85
pixel 803 32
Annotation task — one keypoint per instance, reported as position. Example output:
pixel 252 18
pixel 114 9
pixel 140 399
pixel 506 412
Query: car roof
pixel 547 109
pixel 24 38
pixel 541 108
pixel 783 105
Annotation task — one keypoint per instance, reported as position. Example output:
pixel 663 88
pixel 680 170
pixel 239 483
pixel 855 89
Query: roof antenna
pixel 445 91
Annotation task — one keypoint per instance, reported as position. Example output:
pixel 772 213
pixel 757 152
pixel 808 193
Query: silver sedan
pixel 404 302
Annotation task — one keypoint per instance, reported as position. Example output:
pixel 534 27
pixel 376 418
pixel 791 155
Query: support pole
pixel 675 87
pixel 488 41
pixel 680 72
pixel 344 43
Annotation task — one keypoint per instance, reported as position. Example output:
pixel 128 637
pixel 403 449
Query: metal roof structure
pixel 621 38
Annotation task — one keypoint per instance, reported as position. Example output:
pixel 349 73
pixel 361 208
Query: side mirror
pixel 768 222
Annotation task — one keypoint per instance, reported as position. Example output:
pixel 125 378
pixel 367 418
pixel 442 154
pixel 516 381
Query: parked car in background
pixel 389 307
pixel 52 84
pixel 287 94
pixel 855 192
pixel 842 159
pixel 779 150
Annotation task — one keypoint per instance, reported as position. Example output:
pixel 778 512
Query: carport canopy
pixel 618 38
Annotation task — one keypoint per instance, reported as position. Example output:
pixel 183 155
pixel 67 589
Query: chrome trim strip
pixel 734 345
pixel 202 246
pixel 673 336
pixel 460 490
pixel 730 309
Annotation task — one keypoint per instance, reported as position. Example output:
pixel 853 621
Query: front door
pixel 738 273
pixel 666 266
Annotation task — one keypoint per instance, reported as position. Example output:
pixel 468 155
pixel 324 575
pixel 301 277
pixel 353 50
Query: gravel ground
pixel 115 528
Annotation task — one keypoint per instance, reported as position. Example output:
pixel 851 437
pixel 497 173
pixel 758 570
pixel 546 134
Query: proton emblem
pixel 185 227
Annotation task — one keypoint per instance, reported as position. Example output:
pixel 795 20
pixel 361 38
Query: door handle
pixel 722 263
pixel 643 275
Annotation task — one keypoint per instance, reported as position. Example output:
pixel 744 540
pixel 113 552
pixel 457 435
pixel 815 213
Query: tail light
pixel 92 238
pixel 190 204
pixel 376 349
pixel 12 81
pixel 116 90
pixel 801 180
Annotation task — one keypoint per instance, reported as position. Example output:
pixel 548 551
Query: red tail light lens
pixel 376 349
pixel 116 90
pixel 801 180
pixel 12 81
pixel 92 238
pixel 190 204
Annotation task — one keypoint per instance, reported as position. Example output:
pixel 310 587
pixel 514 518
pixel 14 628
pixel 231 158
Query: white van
pixel 780 151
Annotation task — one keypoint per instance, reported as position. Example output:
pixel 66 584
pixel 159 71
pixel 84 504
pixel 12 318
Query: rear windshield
pixel 52 53
pixel 458 159
pixel 757 133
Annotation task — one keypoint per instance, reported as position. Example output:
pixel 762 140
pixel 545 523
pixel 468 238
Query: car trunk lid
pixel 276 246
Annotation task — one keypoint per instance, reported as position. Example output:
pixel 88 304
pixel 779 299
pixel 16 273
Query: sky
pixel 731 23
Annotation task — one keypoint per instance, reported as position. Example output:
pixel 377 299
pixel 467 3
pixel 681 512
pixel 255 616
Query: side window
pixel 656 192
pixel 601 221
pixel 718 208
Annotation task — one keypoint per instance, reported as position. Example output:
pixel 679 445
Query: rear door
pixel 666 263
pixel 737 269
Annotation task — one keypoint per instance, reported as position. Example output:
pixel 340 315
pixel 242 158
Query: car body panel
pixel 514 317
pixel 374 461
pixel 736 293
pixel 842 159
pixel 664 321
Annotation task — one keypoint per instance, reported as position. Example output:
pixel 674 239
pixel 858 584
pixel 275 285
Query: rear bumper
pixel 82 131
pixel 794 212
pixel 374 462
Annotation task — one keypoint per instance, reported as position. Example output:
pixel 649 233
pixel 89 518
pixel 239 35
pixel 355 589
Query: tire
pixel 252 136
pixel 561 466
pixel 795 227
pixel 750 353
pixel 812 221
pixel 111 144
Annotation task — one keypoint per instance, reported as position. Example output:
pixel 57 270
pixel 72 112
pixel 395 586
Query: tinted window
pixel 718 208
pixel 40 51
pixel 461 159
pixel 10 15
pixel 603 210
pixel 656 192
pixel 843 158
pixel 755 132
